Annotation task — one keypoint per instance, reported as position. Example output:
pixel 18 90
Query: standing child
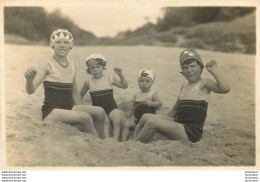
pixel 188 115
pixel 144 101
pixel 100 87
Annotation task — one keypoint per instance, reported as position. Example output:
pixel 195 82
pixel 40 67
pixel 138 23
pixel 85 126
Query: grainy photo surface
pixel 131 37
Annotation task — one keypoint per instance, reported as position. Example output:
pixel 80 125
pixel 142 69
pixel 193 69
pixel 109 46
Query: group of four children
pixel 63 101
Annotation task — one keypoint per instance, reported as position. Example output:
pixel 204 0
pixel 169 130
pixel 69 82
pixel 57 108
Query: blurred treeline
pixel 34 24
pixel 227 29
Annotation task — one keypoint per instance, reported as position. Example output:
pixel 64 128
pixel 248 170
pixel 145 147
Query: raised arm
pixel 35 76
pixel 122 83
pixel 221 86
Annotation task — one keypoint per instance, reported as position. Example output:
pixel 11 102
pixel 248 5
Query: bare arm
pixel 221 86
pixel 75 93
pixel 156 101
pixel 173 111
pixel 35 76
pixel 122 83
pixel 84 89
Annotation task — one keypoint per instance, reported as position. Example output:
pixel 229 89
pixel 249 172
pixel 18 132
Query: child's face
pixel 61 47
pixel 191 71
pixel 96 70
pixel 145 84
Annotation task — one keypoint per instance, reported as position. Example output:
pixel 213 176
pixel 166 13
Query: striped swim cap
pixel 61 33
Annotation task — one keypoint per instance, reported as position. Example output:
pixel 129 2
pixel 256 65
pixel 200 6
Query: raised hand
pixel 30 73
pixel 118 70
pixel 211 66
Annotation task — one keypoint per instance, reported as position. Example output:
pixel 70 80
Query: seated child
pixel 187 117
pixel 144 101
pixel 100 86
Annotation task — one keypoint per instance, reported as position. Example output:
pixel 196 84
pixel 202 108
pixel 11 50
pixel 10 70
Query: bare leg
pixel 127 125
pixel 74 118
pixel 146 117
pixel 142 122
pixel 168 128
pixel 98 115
pixel 115 118
pixel 107 127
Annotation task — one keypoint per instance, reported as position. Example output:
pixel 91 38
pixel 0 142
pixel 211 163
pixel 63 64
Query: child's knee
pixel 146 116
pixel 126 125
pixel 84 117
pixel 75 107
pixel 115 115
pixel 151 123
pixel 100 113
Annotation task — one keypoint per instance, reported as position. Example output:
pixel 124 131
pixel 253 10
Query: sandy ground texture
pixel 229 131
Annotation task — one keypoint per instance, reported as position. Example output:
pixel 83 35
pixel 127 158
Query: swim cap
pixel 188 54
pixel 61 33
pixel 147 73
pixel 95 59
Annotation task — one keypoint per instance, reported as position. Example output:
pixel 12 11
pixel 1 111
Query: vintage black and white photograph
pixel 129 84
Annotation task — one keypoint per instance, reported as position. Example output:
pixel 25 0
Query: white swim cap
pixel 61 33
pixel 147 73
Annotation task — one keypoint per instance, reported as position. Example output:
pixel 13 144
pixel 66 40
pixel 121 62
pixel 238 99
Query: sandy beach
pixel 229 131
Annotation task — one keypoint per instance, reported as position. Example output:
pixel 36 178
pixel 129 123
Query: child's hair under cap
pixel 61 33
pixel 95 59
pixel 190 54
pixel 146 73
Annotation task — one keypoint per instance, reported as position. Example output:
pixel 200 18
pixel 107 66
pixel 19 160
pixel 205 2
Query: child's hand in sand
pixel 211 66
pixel 118 70
pixel 30 74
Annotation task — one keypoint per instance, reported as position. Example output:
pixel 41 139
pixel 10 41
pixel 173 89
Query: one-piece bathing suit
pixel 101 92
pixel 57 88
pixel 192 112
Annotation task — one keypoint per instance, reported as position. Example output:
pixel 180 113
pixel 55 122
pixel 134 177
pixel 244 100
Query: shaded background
pixel 226 29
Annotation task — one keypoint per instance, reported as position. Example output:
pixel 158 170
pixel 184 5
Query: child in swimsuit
pixel 58 75
pixel 144 101
pixel 100 86
pixel 187 117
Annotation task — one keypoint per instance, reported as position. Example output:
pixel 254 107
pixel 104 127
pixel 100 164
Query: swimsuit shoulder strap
pixel 48 61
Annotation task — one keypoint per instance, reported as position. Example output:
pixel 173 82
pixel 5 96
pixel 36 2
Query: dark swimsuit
pixel 104 99
pixel 141 109
pixel 57 96
pixel 192 114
